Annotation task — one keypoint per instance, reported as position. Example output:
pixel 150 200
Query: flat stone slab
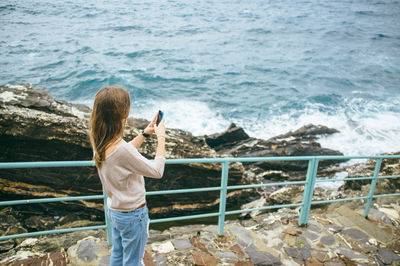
pixel 313 228
pixel 243 236
pixel 226 254
pixel 87 250
pixel 311 236
pixel 181 243
pixel 387 256
pixel 327 240
pixel 367 226
pixel 292 252
pixel 334 228
pixel 355 234
pixel 162 247
pixel 352 255
pixel 262 258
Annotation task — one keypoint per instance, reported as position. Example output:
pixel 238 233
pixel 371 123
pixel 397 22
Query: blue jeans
pixel 129 236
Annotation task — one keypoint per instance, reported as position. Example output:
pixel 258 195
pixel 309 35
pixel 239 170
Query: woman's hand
pixel 160 129
pixel 150 127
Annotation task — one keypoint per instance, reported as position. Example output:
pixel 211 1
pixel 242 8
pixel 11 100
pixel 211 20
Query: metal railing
pixel 309 183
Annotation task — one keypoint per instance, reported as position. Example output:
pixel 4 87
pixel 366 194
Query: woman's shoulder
pixel 113 149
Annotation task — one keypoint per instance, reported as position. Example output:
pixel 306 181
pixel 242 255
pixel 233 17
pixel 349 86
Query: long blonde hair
pixel 110 110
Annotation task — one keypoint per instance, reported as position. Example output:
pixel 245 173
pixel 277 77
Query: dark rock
pixel 313 228
pixel 292 252
pixel 387 256
pixel 309 132
pixel 233 134
pixel 262 258
pixel 356 234
pixel 389 167
pixel 6 245
pixel 40 223
pixel 305 252
pixel 327 240
pixel 311 236
pixel 272 148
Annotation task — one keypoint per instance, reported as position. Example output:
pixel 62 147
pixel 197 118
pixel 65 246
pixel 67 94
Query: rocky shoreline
pixel 36 127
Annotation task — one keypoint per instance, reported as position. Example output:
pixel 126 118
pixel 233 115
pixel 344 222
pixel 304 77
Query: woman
pixel 121 169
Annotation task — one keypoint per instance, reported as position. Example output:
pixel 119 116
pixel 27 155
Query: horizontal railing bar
pixel 386 195
pixel 7 165
pixel 343 179
pixel 337 200
pixel 388 176
pixel 268 185
pixel 287 158
pixel 191 190
pixel 335 157
pixel 265 208
pixel 29 201
pixel 232 160
pixel 171 219
pixel 56 231
pixel 46 164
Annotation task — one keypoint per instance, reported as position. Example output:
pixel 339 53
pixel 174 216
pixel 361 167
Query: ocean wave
pixel 365 13
pixel 126 28
pixel 84 50
pixel 48 66
pixel 381 36
pixel 136 54
pixel 259 31
pixel 157 78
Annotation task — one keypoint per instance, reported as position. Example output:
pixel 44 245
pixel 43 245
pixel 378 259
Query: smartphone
pixel 159 117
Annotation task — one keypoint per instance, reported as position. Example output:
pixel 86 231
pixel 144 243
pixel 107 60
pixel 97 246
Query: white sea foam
pixel 369 132
pixel 193 116
pixel 361 133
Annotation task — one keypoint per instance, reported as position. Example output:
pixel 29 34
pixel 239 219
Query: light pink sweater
pixel 121 175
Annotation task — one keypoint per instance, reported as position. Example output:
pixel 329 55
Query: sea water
pixel 268 66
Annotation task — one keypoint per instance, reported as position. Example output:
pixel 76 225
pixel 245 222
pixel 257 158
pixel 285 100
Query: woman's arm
pixel 139 164
pixel 160 132
pixel 138 140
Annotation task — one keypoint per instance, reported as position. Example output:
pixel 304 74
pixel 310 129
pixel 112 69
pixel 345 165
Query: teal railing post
pixel 108 224
pixel 308 191
pixel 372 188
pixel 222 197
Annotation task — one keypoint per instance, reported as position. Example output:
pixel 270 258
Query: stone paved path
pixel 341 236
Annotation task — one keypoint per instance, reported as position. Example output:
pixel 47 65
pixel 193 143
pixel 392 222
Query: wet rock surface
pixel 268 241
